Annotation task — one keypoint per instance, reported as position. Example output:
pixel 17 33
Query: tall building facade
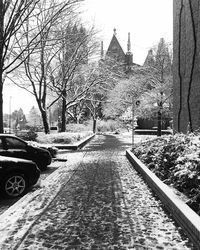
pixel 186 69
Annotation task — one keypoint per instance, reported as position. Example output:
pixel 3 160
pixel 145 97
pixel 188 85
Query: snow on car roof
pixel 13 159
pixel 9 135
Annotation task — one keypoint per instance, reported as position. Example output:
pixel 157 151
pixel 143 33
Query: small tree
pixel 157 72
pixel 93 104
pixel 19 119
pixel 122 96
pixel 71 68
pixel 34 118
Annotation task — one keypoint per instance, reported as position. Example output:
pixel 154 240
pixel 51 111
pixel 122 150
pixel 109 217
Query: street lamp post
pixel 133 129
pixel 134 105
pixel 10 114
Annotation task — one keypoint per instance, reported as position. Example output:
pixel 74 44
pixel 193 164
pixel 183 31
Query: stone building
pixel 116 52
pixel 125 61
pixel 186 70
pixel 153 59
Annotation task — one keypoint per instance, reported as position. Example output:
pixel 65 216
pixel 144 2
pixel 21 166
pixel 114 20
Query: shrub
pixel 75 128
pixel 176 161
pixel 29 135
pixel 107 126
pixel 62 138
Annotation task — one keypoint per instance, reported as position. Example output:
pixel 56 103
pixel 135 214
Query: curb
pixel 75 146
pixel 152 132
pixel 182 213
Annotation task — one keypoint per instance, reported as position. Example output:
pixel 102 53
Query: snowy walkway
pixel 104 205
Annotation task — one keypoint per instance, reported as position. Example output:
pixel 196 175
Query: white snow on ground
pixel 19 217
pixel 141 221
pixel 126 137
pixel 15 222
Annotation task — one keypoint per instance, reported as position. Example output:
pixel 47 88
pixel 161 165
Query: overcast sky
pixel 146 20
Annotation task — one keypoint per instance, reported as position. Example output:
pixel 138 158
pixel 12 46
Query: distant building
pixel 125 62
pixel 116 52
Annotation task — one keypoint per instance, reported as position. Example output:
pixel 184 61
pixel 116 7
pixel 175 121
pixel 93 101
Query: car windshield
pixel 15 143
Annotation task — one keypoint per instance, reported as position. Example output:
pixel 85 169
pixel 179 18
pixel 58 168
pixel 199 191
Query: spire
pixel 129 43
pixel 150 59
pixel 115 50
pixel 129 55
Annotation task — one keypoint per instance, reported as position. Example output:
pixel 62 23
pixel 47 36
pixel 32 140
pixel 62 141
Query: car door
pixel 3 150
pixel 15 148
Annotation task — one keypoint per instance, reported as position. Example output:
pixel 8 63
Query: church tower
pixel 115 50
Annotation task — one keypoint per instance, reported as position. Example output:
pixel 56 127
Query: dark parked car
pixel 16 176
pixel 12 146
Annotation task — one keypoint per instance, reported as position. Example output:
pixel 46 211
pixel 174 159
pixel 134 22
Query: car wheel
pixel 15 185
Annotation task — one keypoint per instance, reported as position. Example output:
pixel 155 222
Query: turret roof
pixel 115 47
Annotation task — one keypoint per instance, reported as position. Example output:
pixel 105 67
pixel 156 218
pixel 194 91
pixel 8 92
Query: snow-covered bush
pixel 27 135
pixel 64 137
pixel 176 161
pixel 108 125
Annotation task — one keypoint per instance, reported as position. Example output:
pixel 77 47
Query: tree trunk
pixel 94 125
pixel 63 115
pixel 159 129
pixel 45 122
pixel 1 62
pixel 1 104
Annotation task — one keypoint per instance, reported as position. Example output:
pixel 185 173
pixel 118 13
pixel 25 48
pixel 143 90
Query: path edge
pixel 186 218
pixel 75 146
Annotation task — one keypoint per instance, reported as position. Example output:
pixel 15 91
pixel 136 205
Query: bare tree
pixel 70 71
pixel 121 97
pixel 36 61
pixel 158 71
pixel 12 15
pixel 20 35
pixel 94 99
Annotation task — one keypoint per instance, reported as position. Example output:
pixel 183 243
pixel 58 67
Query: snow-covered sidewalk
pixel 96 200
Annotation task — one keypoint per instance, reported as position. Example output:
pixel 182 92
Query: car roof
pixel 14 159
pixel 8 135
pixel 11 136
